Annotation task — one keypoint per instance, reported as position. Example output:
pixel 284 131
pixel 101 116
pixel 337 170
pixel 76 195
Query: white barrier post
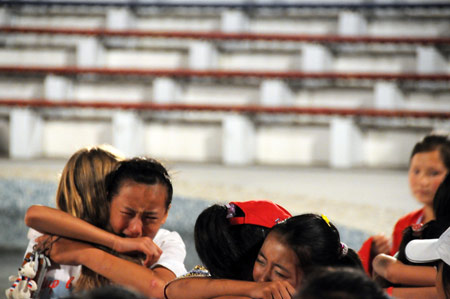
pixel 128 133
pixel 202 56
pixel 430 60
pixel 387 95
pixel 345 143
pixel 234 21
pixel 166 90
pixel 57 88
pixel 351 23
pixel 120 19
pixel 238 140
pixel 316 58
pixel 5 17
pixel 90 52
pixel 26 133
pixel 275 93
pixel 238 132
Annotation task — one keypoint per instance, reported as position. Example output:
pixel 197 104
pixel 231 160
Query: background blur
pixel 313 104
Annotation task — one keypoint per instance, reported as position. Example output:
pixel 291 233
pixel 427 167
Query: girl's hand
pixel 61 250
pixel 142 244
pixel 381 244
pixel 273 290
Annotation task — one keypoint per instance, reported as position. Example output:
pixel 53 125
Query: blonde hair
pixel 82 192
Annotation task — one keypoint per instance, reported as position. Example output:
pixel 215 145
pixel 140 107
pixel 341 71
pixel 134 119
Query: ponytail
pixel 227 251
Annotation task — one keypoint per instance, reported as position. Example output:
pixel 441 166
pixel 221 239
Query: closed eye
pixel 260 261
pixel 281 275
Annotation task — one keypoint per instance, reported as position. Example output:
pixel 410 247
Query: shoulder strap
pixel 41 264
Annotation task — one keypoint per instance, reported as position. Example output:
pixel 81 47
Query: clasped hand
pixel 141 244
pixel 67 251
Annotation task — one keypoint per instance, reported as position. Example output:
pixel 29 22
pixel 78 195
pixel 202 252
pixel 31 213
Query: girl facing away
pixel 81 190
pixel 429 164
pixel 291 251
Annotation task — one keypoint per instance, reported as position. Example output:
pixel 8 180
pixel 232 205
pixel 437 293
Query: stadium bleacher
pixel 342 84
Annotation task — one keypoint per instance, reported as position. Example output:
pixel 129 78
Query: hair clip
pixel 325 218
pixel 344 249
pixel 231 210
pixel 417 227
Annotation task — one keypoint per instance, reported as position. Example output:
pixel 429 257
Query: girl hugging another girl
pixel 292 250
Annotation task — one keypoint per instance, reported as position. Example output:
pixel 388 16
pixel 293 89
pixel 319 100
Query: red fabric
pixel 260 212
pixel 364 255
pixel 407 220
pixel 397 234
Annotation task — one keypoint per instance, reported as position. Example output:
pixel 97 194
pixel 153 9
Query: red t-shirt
pixel 409 219
pixel 415 217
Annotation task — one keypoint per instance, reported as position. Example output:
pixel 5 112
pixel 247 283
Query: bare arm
pixel 52 221
pixel 146 281
pixel 415 293
pixel 396 272
pixel 204 288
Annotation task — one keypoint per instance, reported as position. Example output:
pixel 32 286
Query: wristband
pixel 388 290
pixel 165 291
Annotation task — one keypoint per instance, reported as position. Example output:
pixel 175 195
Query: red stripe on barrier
pixel 255 109
pixel 228 36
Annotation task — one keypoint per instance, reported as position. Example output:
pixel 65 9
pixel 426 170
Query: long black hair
pixel 316 242
pixel 227 251
pixel 445 278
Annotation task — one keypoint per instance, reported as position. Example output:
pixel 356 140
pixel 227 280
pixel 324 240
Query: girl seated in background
pixel 290 252
pixel 402 273
pixel 429 164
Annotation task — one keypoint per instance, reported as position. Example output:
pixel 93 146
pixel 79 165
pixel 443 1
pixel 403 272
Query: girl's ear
pixel 166 214
pixel 168 208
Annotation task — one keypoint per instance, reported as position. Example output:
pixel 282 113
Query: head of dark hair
pixel 432 142
pixel 445 276
pixel 338 283
pixel 430 230
pixel 441 203
pixel 316 242
pixel 140 170
pixel 227 251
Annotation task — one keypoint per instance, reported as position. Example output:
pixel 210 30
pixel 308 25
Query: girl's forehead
pixel 273 240
pixel 427 158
